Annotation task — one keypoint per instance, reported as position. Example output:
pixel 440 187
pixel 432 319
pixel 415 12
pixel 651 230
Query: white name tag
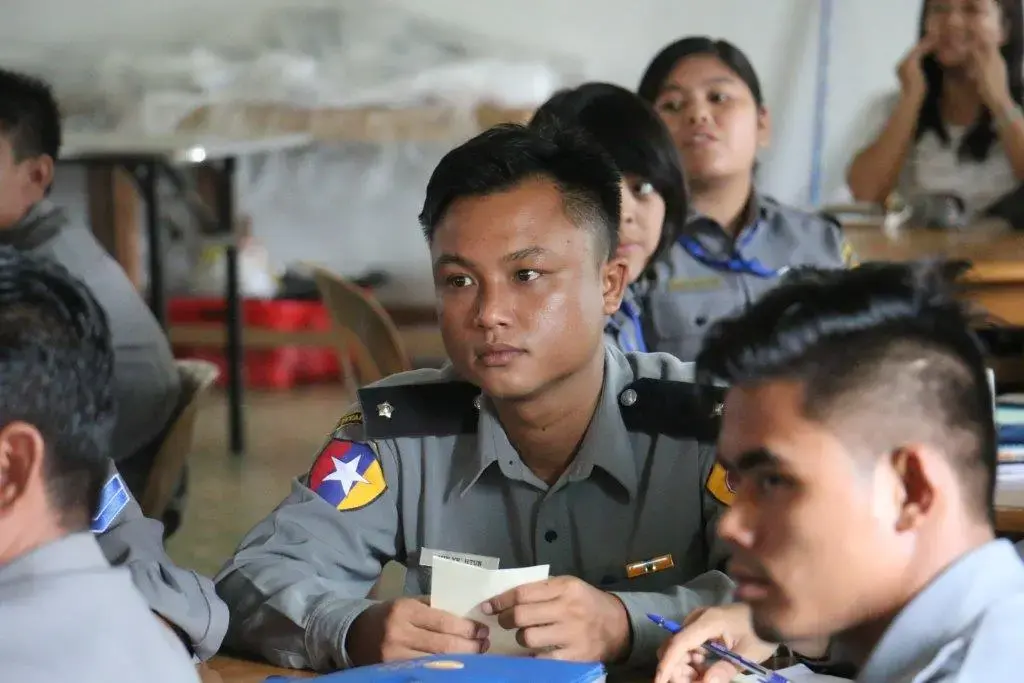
pixel 482 561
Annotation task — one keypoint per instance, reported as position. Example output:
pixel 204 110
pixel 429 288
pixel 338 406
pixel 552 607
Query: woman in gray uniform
pixel 653 192
pixel 736 241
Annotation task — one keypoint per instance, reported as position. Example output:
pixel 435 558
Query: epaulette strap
pixel 681 410
pixel 431 409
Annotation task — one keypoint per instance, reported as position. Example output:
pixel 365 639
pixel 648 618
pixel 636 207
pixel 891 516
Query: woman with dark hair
pixel 653 193
pixel 957 126
pixel 736 241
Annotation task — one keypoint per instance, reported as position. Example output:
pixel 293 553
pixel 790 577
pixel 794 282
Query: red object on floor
pixel 280 368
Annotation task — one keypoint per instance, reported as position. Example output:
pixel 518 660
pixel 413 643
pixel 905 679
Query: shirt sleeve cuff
pixel 328 630
pixel 710 588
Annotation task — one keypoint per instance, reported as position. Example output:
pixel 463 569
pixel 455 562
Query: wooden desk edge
pixel 1010 520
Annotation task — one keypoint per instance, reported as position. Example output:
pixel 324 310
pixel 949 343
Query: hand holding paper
pixel 461 588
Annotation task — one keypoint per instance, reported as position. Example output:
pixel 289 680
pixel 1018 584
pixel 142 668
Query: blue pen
pixel 722 652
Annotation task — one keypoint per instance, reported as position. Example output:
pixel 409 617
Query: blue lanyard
pixel 627 343
pixel 735 263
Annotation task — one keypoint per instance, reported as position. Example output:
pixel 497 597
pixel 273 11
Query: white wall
pixel 615 40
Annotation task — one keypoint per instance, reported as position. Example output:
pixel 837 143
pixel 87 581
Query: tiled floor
pixel 228 494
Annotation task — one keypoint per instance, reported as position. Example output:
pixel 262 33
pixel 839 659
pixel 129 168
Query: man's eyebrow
pixel 452 260
pixel 759 457
pixel 521 254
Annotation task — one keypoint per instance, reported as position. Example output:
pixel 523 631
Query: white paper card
pixel 460 588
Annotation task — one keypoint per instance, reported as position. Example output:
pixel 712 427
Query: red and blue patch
pixel 347 474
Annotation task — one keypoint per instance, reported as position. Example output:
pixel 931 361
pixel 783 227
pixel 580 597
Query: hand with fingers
pixel 409 627
pixel 682 658
pixel 565 618
pixel 910 71
pixel 987 70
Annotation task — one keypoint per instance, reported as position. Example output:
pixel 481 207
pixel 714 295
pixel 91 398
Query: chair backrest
pixel 196 377
pixel 365 332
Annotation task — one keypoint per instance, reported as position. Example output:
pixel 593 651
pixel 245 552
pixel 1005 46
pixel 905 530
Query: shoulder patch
pixel 719 486
pixel 353 418
pixel 114 498
pixel 848 255
pixel 431 409
pixel 347 474
pixel 678 409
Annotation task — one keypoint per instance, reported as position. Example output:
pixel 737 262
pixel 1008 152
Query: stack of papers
pixel 459 588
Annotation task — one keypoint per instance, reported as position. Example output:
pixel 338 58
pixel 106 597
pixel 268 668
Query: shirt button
pixel 550 535
pixel 702 321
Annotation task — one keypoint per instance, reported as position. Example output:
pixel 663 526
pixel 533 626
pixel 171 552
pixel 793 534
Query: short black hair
pixel 56 365
pixel 657 72
pixel 633 134
pixel 508 154
pixel 886 350
pixel 29 116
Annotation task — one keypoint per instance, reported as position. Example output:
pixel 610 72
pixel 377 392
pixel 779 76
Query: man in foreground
pixel 539 444
pixel 65 614
pixel 858 432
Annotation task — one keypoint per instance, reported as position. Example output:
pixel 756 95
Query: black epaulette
pixel 682 410
pixel 431 409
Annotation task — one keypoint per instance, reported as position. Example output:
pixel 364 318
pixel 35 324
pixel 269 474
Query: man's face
pixel 522 292
pixel 815 551
pixel 22 183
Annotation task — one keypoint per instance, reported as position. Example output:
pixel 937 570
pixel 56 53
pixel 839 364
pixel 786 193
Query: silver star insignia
pixel 385 410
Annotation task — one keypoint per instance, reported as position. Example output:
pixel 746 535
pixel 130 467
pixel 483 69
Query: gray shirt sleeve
pixel 182 597
pixel 711 588
pixel 301 577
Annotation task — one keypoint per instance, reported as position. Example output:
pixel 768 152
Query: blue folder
pixel 476 668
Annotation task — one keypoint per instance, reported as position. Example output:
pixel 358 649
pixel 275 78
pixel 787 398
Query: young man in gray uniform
pixel 146 380
pixel 858 430
pixel 65 614
pixel 539 444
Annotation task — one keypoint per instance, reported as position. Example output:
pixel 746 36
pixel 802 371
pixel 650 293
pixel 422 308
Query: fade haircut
pixel 886 356
pixel 56 366
pixel 29 116
pixel 508 155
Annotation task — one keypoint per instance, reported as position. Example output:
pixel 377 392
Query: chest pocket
pixel 683 309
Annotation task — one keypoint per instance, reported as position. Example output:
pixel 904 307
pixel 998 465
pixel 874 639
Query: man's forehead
pixel 756 415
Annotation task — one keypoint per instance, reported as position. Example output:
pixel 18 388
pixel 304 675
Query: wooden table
pixel 996 278
pixel 1010 507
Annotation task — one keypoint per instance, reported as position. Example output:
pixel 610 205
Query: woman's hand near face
pixel 910 71
pixel 987 70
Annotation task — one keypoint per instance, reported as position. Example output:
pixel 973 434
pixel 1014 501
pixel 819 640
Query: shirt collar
pixel 940 612
pixel 606 444
pixel 714 236
pixel 75 552
pixel 38 224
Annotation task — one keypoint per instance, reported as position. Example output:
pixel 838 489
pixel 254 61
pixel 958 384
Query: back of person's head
pixel 665 62
pixel 981 135
pixel 30 140
pixel 886 346
pixel 858 434
pixel 633 135
pixel 507 155
pixel 57 408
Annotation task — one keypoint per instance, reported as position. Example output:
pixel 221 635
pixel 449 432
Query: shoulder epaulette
pixel 682 410
pixel 430 409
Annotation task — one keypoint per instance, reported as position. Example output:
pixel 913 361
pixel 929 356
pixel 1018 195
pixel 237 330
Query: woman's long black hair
pixel 664 62
pixel 633 135
pixel 981 135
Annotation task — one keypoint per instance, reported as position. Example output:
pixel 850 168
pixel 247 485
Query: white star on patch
pixel 346 474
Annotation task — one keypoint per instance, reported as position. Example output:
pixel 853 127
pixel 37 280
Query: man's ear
pixel 764 127
pixel 39 173
pixel 613 276
pixel 916 477
pixel 21 462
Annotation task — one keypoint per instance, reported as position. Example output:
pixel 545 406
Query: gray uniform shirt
pixel 966 626
pixel 145 376
pixel 684 295
pixel 66 615
pixel 436 470
pixel 182 597
pixel 625 328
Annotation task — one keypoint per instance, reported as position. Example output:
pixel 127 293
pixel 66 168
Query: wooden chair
pixel 365 335
pixel 196 377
